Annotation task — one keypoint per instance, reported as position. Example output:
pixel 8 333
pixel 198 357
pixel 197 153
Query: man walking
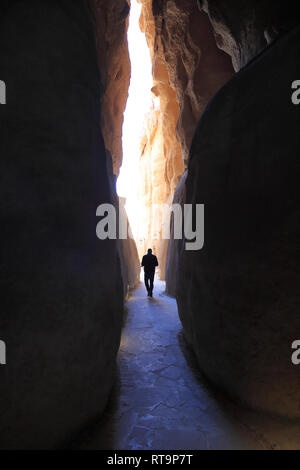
pixel 149 262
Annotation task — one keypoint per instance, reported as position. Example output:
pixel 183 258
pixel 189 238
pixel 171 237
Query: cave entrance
pixel 135 180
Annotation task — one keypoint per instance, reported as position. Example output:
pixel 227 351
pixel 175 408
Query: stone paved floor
pixel 161 401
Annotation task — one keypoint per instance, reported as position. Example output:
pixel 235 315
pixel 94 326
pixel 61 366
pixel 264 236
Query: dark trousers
pixel 149 278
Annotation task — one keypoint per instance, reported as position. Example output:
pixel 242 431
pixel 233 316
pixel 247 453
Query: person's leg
pixel 146 278
pixel 151 282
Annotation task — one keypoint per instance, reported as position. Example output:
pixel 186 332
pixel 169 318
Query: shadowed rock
pixel 61 287
pixel 239 297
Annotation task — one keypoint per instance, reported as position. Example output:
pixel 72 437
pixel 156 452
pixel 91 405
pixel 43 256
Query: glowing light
pixel 139 102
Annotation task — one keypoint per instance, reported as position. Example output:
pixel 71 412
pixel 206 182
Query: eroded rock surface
pixel 239 297
pixel 172 259
pixel 111 25
pixel 188 69
pixel 245 30
pixel 130 260
pixel 61 287
pixel 196 69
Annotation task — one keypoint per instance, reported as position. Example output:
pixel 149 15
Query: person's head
pixel 149 251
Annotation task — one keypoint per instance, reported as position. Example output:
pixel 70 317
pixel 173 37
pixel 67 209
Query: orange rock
pixel 111 24
pixel 187 69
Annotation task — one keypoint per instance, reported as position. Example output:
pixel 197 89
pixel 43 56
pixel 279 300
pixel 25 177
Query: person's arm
pixel 156 262
pixel 143 261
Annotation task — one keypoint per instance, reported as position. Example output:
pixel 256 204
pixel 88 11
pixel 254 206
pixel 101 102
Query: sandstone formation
pixel 196 68
pixel 61 287
pixel 159 173
pixel 188 69
pixel 245 31
pixel 130 260
pixel 238 298
pixel 172 258
pixel 111 25
pixel 161 162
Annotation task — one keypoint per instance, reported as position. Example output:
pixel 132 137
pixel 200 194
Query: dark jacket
pixel 149 262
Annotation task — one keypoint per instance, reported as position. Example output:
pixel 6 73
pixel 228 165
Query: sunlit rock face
pixel 239 297
pixel 161 163
pixel 111 25
pixel 188 69
pixel 159 174
pixel 196 67
pixel 61 287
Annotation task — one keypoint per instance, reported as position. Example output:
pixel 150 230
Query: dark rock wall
pixel 127 250
pixel 243 29
pixel 61 288
pixel 239 297
pixel 196 69
pixel 172 261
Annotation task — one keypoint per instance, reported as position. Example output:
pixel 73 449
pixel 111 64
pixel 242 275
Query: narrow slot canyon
pixel 141 106
pixel 162 401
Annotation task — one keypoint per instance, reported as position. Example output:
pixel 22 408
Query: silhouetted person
pixel 149 262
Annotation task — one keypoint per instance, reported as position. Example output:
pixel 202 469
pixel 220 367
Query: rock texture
pixel 245 31
pixel 196 69
pixel 61 287
pixel 159 173
pixel 111 25
pixel 127 250
pixel 239 297
pixel 130 261
pixel 172 258
pixel 161 162
pixel 187 70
